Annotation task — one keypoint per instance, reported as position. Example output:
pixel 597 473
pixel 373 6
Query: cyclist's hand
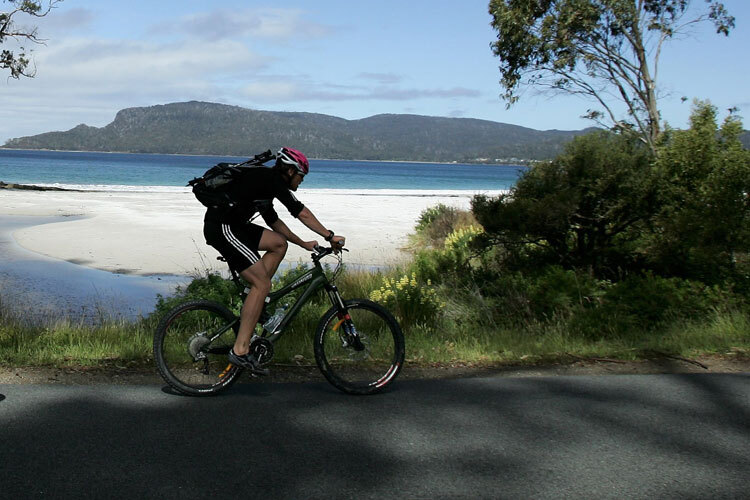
pixel 337 243
pixel 309 245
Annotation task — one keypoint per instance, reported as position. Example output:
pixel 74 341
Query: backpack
pixel 212 189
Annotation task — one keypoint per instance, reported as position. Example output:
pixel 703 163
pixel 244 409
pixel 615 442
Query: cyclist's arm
pixel 308 219
pixel 282 228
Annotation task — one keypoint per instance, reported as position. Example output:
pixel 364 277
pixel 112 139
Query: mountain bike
pixel 358 344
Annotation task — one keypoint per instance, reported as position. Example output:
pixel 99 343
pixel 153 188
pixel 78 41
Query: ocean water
pixel 39 289
pixel 126 171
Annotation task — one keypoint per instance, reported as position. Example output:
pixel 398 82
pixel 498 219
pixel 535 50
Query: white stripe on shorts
pixel 232 239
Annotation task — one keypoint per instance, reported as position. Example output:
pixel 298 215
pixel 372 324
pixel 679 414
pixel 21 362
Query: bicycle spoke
pixel 362 354
pixel 191 347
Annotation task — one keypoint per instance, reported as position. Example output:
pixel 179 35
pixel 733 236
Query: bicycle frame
pixel 314 279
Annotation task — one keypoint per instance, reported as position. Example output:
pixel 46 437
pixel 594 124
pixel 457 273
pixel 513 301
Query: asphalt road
pixel 639 436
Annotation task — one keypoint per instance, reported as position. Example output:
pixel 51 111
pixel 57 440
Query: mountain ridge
pixel 198 127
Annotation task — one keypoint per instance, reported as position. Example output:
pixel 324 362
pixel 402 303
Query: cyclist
pixel 239 241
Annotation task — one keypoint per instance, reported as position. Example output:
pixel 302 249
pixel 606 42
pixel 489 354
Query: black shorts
pixel 238 242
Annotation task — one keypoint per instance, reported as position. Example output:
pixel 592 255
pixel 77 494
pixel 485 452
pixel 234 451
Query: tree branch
pixel 18 64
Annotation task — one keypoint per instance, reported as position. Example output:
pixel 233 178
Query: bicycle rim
pixel 367 368
pixel 187 358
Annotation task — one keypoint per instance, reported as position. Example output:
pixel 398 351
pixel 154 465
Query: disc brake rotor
pixel 359 348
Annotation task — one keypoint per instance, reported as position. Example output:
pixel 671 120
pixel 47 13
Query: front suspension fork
pixel 349 336
pixel 341 311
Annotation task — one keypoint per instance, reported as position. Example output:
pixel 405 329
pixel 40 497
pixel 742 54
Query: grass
pixel 451 338
pixel 65 342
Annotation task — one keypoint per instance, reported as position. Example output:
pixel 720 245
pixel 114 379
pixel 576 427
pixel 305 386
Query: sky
pixel 344 58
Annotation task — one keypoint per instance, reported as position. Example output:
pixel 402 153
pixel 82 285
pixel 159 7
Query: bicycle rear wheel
pixel 361 354
pixel 191 346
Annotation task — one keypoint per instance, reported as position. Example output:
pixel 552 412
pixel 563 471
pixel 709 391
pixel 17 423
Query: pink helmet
pixel 294 158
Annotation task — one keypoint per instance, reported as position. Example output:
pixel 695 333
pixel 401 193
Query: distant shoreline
pixel 32 187
pixel 135 189
pixel 418 162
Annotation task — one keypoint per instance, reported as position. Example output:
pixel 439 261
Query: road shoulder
pixel 138 375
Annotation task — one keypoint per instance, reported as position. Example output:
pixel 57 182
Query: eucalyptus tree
pixel 18 62
pixel 606 50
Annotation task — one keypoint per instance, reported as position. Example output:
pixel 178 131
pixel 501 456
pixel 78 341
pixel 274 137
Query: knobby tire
pixel 366 371
pixel 183 331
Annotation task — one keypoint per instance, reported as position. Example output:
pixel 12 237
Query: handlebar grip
pixel 323 251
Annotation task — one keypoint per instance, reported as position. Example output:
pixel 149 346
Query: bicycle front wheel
pixel 362 352
pixel 191 346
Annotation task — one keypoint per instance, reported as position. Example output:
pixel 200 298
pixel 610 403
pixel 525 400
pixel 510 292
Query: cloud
pixel 286 89
pixel 87 81
pixel 267 23
pixel 382 78
pixel 102 66
pixel 60 22
pixel 409 94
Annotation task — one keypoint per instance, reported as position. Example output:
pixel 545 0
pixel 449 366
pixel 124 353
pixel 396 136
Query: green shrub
pixel 550 294
pixel 452 261
pixel 562 292
pixel 430 214
pixel 647 302
pixel 608 207
pixel 411 301
pixel 212 286
pixel 702 230
pixel 584 210
pixel 436 223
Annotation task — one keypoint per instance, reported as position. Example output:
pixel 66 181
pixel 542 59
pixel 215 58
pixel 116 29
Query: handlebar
pixel 321 251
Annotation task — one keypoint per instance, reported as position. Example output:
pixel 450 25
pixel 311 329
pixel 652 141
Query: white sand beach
pixel 146 232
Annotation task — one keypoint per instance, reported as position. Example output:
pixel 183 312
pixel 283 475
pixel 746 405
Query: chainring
pixel 262 349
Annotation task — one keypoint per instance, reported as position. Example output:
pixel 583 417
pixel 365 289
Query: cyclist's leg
pixel 259 277
pixel 275 245
pixel 239 244
pixel 260 285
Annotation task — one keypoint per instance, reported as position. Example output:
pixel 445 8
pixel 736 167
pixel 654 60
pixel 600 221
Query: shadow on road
pixel 480 438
